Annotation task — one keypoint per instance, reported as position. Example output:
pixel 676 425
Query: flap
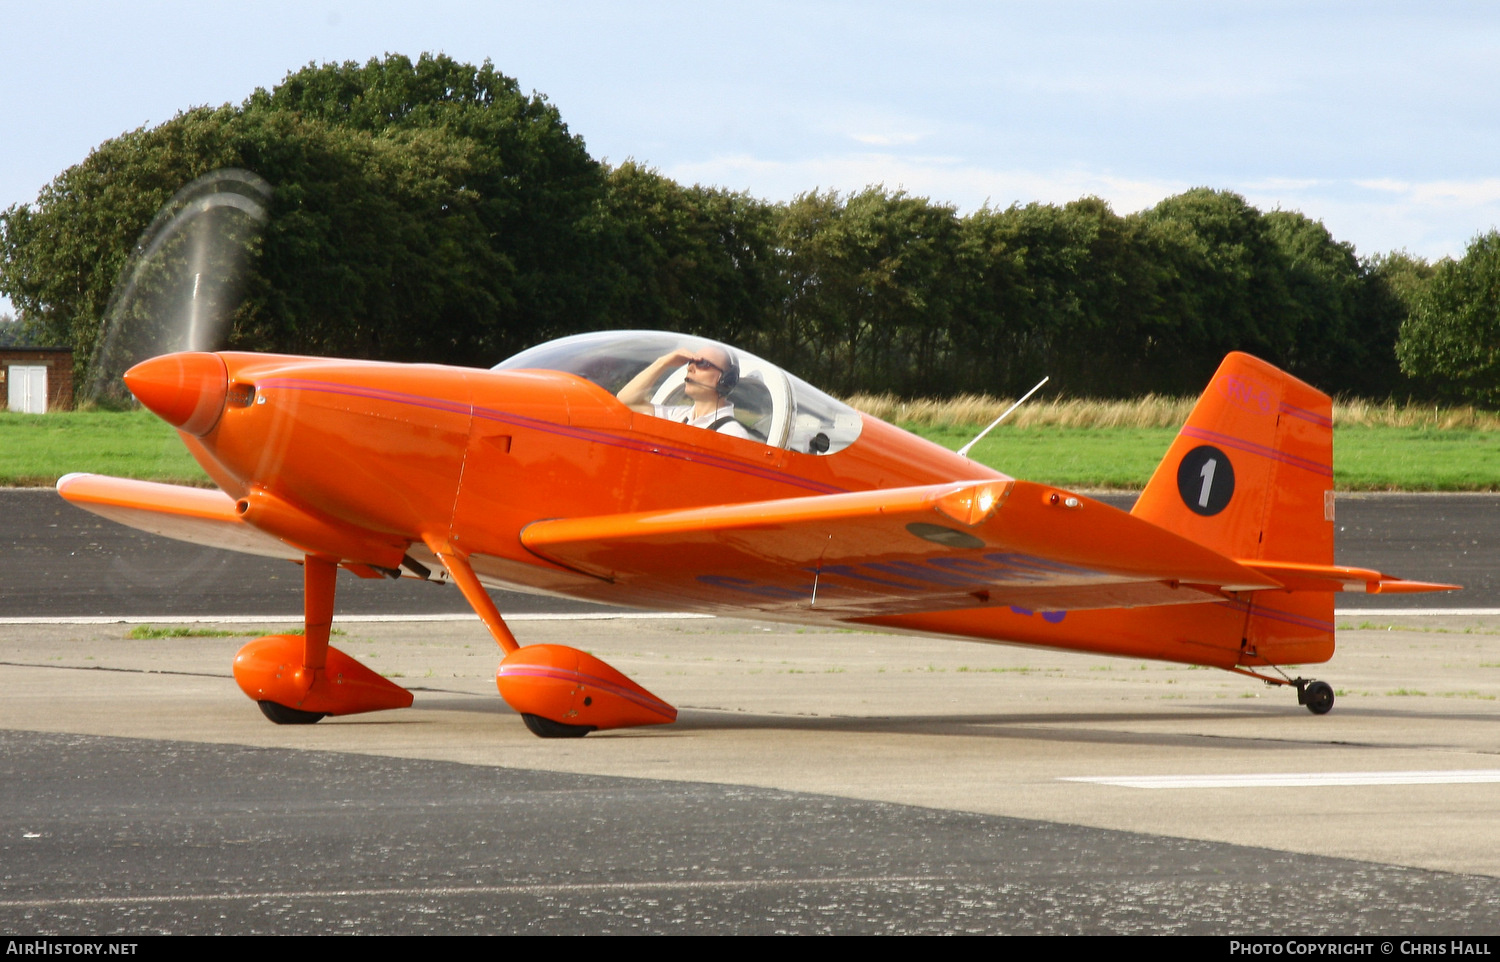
pixel 957 544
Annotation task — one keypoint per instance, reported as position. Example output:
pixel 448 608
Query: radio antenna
pixel 964 451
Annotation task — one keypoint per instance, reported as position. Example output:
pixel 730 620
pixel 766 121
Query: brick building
pixel 36 379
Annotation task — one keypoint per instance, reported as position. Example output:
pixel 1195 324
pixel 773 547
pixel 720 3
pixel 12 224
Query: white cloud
pixel 1462 193
pixel 886 140
pixel 1273 184
pixel 1385 184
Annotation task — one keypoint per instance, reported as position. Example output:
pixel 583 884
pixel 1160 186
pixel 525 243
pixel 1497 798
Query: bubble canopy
pixel 775 407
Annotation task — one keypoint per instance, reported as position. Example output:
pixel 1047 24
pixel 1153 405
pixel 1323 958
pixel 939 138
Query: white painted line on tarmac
pixel 1414 612
pixel 344 619
pixel 540 890
pixel 1296 779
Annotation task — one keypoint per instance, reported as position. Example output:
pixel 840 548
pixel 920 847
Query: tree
pixel 527 187
pixel 60 257
pixel 1333 344
pixel 15 334
pixel 1390 284
pixel 692 259
pixel 1452 338
pixel 870 288
pixel 1062 291
pixel 422 211
pixel 428 210
pixel 1222 279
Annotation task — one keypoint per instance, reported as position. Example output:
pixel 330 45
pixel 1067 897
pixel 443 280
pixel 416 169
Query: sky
pixel 1382 120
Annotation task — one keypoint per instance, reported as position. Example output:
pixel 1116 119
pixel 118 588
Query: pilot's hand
pixel 637 393
pixel 680 356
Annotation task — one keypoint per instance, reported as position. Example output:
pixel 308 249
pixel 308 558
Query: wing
pixel 928 548
pixel 196 515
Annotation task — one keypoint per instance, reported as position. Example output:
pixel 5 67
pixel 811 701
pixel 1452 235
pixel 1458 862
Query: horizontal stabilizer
pixel 1311 577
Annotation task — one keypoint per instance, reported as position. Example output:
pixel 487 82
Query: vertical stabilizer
pixel 1251 476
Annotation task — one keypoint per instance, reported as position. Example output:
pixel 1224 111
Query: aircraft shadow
pixel 1064 727
pixel 1070 727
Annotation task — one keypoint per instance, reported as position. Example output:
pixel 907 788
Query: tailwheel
pixel 1316 695
pixel 282 715
pixel 547 728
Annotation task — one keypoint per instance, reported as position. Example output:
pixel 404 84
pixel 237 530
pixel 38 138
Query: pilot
pixel 712 372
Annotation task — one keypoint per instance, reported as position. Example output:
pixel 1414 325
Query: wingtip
pixel 63 481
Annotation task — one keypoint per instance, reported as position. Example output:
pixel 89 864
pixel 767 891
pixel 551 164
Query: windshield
pixel 702 382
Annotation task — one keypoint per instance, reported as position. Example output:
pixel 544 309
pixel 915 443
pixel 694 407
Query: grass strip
pixel 1422 456
pixel 1364 458
pixel 36 450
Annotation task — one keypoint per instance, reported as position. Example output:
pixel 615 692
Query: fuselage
pixel 403 451
pixel 375 465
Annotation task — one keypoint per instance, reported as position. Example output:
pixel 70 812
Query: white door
pixel 28 389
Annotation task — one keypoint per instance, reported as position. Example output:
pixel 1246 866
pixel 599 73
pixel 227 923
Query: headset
pixel 729 374
pixel 729 378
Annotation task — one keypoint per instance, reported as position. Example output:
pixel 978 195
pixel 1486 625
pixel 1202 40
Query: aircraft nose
pixel 186 390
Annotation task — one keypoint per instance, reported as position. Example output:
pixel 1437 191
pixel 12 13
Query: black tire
pixel 547 728
pixel 1319 697
pixel 282 715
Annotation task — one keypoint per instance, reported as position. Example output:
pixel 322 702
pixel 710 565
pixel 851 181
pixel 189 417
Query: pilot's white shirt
pixel 683 414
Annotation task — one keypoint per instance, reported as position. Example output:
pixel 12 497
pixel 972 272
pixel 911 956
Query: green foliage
pixel 472 208
pixel 1062 291
pixel 691 259
pixel 893 293
pixel 153 633
pixel 1452 337
pixel 428 210
pixel 870 290
pixel 1403 276
pixel 1391 285
pixel 14 333
pixel 1217 254
pixel 60 257
pixel 424 211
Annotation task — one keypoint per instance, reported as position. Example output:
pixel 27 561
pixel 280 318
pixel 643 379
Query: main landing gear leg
pixel 297 680
pixel 1317 696
pixel 559 692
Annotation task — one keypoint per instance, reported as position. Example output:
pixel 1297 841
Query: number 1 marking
pixel 1208 481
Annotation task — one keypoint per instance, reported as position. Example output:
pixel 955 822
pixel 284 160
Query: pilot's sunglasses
pixel 703 362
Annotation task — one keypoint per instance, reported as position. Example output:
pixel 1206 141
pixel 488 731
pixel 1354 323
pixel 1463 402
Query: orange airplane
pixel 658 471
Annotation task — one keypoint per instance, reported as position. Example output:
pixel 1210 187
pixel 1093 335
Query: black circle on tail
pixel 1205 479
